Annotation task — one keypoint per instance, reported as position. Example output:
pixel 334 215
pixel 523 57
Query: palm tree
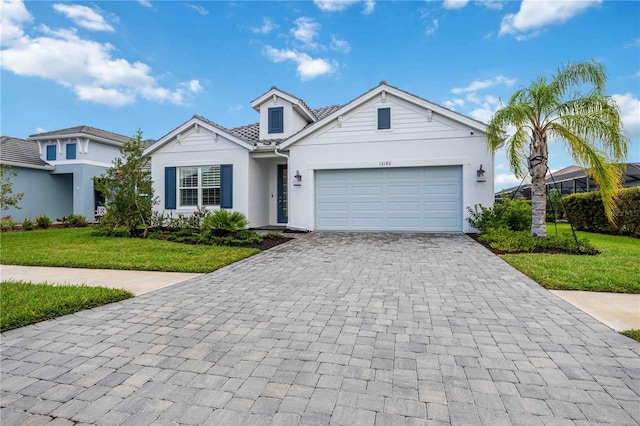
pixel 588 125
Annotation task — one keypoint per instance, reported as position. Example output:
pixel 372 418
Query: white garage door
pixel 401 199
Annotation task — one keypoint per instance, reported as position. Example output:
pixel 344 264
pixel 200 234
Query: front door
pixel 283 211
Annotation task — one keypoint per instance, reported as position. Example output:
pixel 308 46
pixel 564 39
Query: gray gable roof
pixel 87 130
pixel 20 151
pixel 251 132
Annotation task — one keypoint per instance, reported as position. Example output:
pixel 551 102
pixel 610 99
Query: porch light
pixel 298 178
pixel 480 172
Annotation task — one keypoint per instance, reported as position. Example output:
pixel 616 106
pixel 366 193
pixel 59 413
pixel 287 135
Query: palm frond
pixel 606 174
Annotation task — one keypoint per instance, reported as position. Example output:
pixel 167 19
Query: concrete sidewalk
pixel 138 282
pixel 619 311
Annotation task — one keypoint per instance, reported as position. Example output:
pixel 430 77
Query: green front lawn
pixel 24 303
pixel 76 248
pixel 616 269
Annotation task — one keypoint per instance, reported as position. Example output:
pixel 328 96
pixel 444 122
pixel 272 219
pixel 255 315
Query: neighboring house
pixel 573 180
pixel 387 160
pixel 56 170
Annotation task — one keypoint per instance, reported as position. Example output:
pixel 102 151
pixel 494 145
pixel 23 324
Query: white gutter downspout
pixel 279 154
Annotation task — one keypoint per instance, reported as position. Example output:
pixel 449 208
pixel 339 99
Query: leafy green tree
pixel 128 188
pixel 7 197
pixel 588 125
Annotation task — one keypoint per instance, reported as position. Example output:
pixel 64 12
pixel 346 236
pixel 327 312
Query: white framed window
pixel 384 118
pixel 199 186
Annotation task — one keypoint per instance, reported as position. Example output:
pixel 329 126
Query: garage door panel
pixel 403 189
pixel 367 206
pixel 363 222
pixel 407 206
pixel 329 207
pixel 367 190
pixel 365 175
pixel 411 199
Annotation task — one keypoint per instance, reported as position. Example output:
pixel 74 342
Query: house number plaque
pixel 384 163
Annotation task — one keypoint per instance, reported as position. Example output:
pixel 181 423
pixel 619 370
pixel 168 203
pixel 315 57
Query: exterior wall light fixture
pixel 480 172
pixel 298 179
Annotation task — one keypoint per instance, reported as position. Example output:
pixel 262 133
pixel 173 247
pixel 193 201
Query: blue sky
pixel 124 65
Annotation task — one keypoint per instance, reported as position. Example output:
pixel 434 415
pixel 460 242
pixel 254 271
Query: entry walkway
pixel 331 328
pixel 138 282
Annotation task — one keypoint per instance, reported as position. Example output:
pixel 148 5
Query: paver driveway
pixel 330 328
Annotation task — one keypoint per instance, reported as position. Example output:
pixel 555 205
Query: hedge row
pixel 586 212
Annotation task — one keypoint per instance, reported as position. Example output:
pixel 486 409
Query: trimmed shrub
pixel 74 220
pixel 27 225
pixel 522 241
pixel 586 212
pixel 222 222
pixel 511 214
pixel 43 221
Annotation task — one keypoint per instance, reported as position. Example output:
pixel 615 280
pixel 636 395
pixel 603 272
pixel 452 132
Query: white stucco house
pixel 387 160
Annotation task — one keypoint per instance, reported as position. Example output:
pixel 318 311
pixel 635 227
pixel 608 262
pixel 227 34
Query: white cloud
pixel 492 4
pixel 40 130
pixel 201 10
pixel 306 31
pixel 235 108
pixel 266 27
pixel 194 86
pixel 484 84
pixel 101 95
pixel 308 67
pixel 369 7
pixel 433 27
pixel 629 112
pixel 84 66
pixel 505 180
pixel 340 5
pixel 84 17
pixel 484 113
pixel 13 15
pixel 453 103
pixel 535 14
pixel 340 45
pixel 454 4
pixel 146 3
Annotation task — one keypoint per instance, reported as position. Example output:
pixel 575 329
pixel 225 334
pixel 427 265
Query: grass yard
pixel 616 269
pixel 76 248
pixel 24 303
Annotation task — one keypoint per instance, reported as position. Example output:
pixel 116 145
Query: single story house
pixel 386 161
pixel 56 170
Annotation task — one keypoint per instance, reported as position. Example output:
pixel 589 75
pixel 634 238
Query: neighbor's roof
pixel 81 130
pixel 14 151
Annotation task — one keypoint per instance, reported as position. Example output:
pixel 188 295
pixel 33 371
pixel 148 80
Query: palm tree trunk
pixel 538 170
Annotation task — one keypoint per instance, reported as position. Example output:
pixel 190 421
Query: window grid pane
pixel 188 197
pixel 211 196
pixel 211 177
pixel 189 177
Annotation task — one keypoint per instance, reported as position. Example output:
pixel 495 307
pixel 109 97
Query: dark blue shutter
pixel 169 188
pixel 226 186
pixel 51 152
pixel 71 151
pixel 384 118
pixel 276 120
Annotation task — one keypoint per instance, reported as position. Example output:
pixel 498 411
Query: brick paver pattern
pixel 332 328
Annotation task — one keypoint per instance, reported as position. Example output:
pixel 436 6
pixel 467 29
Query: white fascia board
pixel 297 104
pixel 81 162
pixel 73 136
pixel 392 91
pixel 159 144
pixel 27 166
